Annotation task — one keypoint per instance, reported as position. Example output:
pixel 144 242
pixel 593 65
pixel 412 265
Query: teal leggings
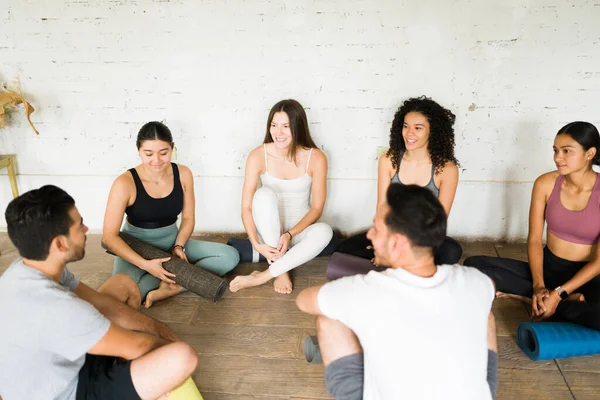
pixel 215 257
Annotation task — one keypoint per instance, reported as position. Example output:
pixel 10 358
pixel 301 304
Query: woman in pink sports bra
pixel 281 217
pixel 561 278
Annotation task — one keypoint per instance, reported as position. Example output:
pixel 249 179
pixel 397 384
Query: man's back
pixel 46 333
pixel 422 337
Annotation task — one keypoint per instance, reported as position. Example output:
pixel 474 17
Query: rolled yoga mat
pixel 342 264
pixel 187 391
pixel 197 280
pixel 244 247
pixel 548 340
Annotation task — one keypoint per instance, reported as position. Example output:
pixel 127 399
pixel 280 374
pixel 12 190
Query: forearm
pixel 250 227
pixel 118 247
pixel 535 254
pixel 124 316
pixel 185 231
pixel 146 343
pixel 583 276
pixel 310 218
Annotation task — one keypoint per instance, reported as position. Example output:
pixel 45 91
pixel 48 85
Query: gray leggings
pixel 344 376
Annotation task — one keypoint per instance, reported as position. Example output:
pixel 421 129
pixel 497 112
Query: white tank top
pixel 293 194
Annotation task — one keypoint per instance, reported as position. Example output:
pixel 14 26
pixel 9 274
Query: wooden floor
pixel 250 343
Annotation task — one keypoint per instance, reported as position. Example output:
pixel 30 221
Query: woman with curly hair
pixel 421 153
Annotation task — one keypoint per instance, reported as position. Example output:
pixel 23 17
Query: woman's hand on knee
pixel 155 268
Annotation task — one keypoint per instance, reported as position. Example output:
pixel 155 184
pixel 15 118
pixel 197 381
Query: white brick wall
pixel 97 70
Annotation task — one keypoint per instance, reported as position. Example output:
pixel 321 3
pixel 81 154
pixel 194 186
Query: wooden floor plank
pixel 261 377
pixel 477 249
pixel 258 311
pixel 181 309
pixel 580 364
pixel 517 384
pixel 512 357
pixel 517 251
pixel 509 314
pixel 236 340
pixel 584 385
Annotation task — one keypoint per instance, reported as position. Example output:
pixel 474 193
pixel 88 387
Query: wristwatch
pixel 562 293
pixel 177 246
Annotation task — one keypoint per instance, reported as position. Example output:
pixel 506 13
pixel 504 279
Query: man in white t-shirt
pixel 62 340
pixel 415 330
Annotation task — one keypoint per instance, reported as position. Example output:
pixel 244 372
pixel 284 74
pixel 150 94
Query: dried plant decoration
pixel 10 99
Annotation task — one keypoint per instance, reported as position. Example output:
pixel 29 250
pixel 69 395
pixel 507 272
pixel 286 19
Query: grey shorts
pixel 344 377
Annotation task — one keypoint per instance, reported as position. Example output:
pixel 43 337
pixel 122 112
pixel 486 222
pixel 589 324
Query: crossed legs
pixel 163 369
pixel 303 248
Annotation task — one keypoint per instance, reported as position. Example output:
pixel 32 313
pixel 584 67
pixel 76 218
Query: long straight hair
pixel 298 126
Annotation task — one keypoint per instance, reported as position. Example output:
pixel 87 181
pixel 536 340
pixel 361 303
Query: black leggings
pixel 514 277
pixel 448 253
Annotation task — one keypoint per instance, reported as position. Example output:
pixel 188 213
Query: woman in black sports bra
pixel 421 153
pixel 152 195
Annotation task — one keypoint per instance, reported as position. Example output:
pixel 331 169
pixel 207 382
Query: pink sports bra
pixel 581 227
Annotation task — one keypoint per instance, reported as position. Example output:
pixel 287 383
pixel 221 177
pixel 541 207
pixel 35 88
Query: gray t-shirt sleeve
pixel 68 280
pixel 74 326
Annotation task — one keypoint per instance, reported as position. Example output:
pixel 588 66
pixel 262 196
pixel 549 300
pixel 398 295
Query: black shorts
pixel 105 378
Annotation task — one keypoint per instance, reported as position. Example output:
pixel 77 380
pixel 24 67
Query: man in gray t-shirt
pixel 49 330
pixel 61 339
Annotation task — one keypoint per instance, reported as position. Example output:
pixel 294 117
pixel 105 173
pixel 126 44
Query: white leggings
pixel 304 247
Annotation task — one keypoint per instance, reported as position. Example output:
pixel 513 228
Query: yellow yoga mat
pixel 187 391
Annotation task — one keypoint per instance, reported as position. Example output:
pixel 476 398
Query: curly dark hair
pixel 441 131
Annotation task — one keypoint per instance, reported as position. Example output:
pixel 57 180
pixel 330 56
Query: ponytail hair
pixel 585 134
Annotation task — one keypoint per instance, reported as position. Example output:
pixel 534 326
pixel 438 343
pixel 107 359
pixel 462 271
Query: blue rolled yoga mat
pixel 548 340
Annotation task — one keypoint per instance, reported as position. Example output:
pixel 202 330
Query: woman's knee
pixel 321 232
pixel 265 195
pixel 231 258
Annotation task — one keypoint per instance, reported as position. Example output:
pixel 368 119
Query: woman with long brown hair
pixel 281 217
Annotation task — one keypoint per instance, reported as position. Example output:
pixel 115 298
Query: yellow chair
pixel 187 391
pixel 8 161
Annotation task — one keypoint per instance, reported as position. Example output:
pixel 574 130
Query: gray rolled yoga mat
pixel 342 264
pixel 191 277
pixel 312 352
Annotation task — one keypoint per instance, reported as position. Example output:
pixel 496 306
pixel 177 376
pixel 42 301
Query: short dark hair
pixel 585 134
pixel 416 213
pixel 154 131
pixel 36 217
pixel 298 125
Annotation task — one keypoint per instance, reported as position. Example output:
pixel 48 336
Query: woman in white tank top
pixel 281 217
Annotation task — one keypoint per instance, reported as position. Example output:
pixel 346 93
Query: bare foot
pixel 502 295
pixel 283 284
pixel 256 278
pixel 164 290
